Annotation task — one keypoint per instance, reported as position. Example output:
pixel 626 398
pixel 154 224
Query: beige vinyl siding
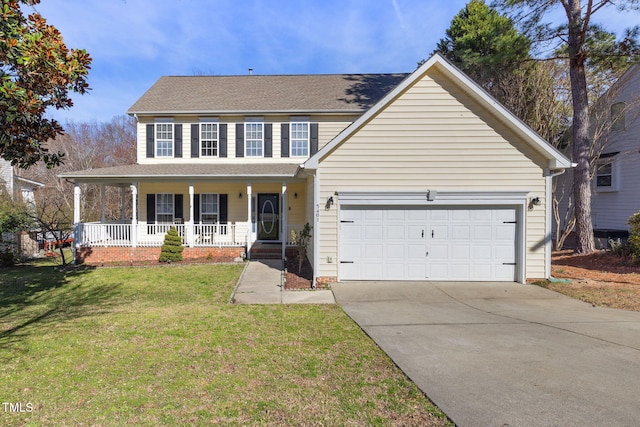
pixel 432 137
pixel 328 127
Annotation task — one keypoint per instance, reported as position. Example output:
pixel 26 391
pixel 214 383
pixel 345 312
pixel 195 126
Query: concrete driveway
pixel 505 354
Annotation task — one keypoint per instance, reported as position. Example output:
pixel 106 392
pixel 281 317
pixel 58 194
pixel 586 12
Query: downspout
pixel 316 238
pixel 548 202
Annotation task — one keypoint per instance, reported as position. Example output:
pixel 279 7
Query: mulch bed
pixel 604 266
pixel 298 280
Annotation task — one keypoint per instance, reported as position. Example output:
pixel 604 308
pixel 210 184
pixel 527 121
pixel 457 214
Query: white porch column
pixel 134 215
pixel 249 224
pixel 284 219
pixel 191 223
pixel 76 220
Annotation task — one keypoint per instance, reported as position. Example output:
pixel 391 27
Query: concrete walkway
pixel 505 354
pixel 261 283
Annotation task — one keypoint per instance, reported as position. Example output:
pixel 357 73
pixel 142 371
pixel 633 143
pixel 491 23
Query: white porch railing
pixel 152 235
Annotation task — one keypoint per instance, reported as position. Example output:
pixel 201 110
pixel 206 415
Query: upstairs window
pixel 209 204
pixel 254 139
pixel 617 113
pixel 299 139
pixel 164 208
pixel 164 139
pixel 208 139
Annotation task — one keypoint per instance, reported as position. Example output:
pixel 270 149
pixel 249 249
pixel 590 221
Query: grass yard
pixel 161 346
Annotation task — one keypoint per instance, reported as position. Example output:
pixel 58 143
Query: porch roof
pixel 127 174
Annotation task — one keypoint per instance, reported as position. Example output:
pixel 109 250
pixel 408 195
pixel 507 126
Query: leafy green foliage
pixel 172 248
pixel 484 44
pixel 634 235
pixel 13 214
pixel 37 71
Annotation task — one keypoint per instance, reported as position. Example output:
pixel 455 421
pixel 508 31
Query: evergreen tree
pixel 172 248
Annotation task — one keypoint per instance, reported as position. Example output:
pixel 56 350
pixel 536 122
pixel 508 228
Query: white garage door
pixel 406 243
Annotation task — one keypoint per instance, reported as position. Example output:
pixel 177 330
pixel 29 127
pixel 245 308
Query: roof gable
pixel 556 160
pixel 252 94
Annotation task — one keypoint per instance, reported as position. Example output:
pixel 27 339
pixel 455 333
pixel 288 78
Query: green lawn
pixel 161 346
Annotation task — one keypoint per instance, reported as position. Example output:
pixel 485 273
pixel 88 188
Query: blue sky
pixel 134 42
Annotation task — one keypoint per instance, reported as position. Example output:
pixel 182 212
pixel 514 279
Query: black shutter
pixel 150 141
pixel 177 140
pixel 239 140
pixel 222 140
pixel 178 208
pixel 284 140
pixel 196 208
pixel 314 138
pixel 224 203
pixel 268 140
pixel 151 208
pixel 151 212
pixel 195 140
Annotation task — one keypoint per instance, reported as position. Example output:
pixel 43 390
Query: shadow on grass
pixel 35 297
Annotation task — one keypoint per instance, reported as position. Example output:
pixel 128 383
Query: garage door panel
pixel 415 243
pixel 373 232
pixel 394 232
pixel 373 251
pixel 461 232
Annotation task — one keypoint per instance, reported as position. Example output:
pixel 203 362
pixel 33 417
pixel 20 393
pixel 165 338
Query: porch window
pixel 164 139
pixel 209 208
pixel 300 139
pixel 254 139
pixel 164 208
pixel 208 139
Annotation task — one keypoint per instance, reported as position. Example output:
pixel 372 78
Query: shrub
pixel 300 239
pixel 172 248
pixel 620 248
pixel 634 235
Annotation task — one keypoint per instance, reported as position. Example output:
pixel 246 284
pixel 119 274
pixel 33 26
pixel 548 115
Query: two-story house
pixel 401 176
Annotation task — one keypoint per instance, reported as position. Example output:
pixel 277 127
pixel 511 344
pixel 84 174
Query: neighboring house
pixel 19 188
pixel 407 177
pixel 615 190
pixel 616 184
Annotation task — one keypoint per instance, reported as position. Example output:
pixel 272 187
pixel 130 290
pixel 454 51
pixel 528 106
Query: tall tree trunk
pixel 581 142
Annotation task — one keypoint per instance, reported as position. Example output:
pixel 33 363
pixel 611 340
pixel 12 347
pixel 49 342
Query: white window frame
pixel 203 196
pixel 255 129
pixel 215 141
pixel 163 203
pixel 294 138
pixel 613 175
pixel 166 128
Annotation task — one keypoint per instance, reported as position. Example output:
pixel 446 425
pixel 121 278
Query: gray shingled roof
pixel 183 171
pixel 262 93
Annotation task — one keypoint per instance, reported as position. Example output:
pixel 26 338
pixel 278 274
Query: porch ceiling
pixel 184 172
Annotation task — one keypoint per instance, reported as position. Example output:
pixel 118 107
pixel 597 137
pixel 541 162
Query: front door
pixel 268 217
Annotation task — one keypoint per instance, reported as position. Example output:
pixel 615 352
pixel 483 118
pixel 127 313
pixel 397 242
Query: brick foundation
pixel 325 281
pixel 145 256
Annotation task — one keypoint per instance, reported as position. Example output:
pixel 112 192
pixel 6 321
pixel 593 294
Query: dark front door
pixel 268 217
